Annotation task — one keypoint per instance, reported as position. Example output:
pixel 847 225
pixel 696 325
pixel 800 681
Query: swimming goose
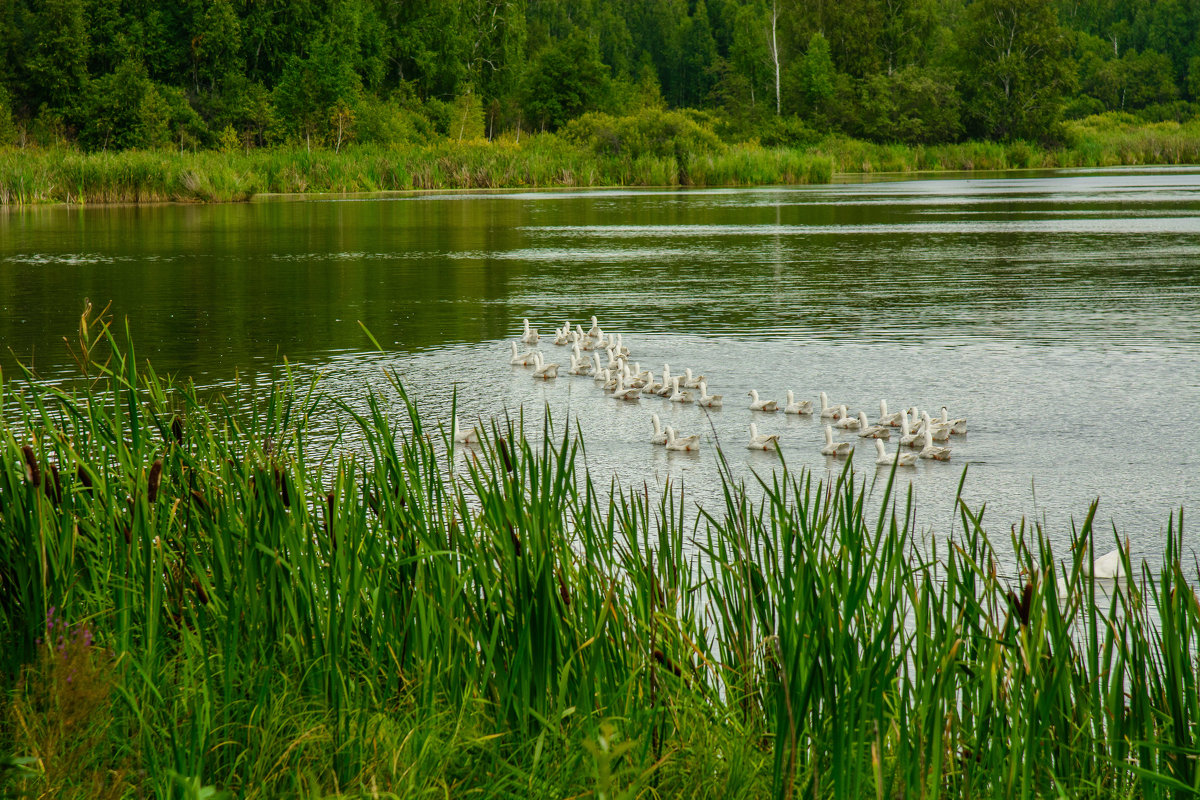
pixel 708 400
pixel 931 450
pixel 835 449
pixel 544 371
pixel 907 437
pixel 884 458
pixel 1108 565
pixel 594 331
pixel 668 383
pixel 938 433
pixel 828 411
pixel 691 381
pixel 467 436
pixel 761 405
pixel 522 359
pixel 956 426
pixel 891 420
pixel 563 335
pixel 598 372
pixel 761 441
pixel 652 386
pixel 624 392
pixel 679 395
pixel 643 375
pixel 797 407
pixel 660 436
pixel 682 442
pixel 620 349
pixel 579 365
pixel 531 335
pixel 845 421
pixel 868 431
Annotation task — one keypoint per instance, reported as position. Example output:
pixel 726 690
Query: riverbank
pixel 36 176
pixel 192 601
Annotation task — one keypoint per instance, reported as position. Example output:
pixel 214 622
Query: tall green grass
pixel 546 160
pixel 392 615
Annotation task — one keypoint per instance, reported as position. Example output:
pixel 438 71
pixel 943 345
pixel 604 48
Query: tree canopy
pixel 220 73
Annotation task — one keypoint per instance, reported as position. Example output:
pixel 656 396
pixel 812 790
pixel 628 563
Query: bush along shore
pixel 664 149
pixel 192 602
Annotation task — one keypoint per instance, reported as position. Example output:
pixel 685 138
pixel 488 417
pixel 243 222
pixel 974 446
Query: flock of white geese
pixel 605 358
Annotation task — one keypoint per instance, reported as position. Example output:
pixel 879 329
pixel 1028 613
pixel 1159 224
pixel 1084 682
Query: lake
pixel 1058 312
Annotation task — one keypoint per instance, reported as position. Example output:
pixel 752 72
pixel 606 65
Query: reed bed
pixel 192 600
pixel 546 161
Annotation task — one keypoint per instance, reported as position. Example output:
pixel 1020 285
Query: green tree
pixel 57 64
pixel 913 105
pixel 698 52
pixel 565 81
pixel 1016 68
pixel 817 75
pixel 216 47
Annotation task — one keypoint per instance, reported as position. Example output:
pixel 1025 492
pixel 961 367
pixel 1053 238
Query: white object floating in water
pixel 761 441
pixel 761 405
pixel 835 449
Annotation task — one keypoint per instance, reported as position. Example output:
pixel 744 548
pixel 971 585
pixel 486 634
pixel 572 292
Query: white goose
pixel 624 392
pixel 594 332
pixel 907 437
pixel 828 411
pixel 956 426
pixel 835 449
pixel 660 436
pixel 691 381
pixel 530 336
pixel 579 364
pixel 797 407
pixel 465 435
pixel 543 371
pixel 761 405
pixel 891 420
pixel 679 395
pixel 682 442
pixel 884 458
pixel 761 441
pixel 1107 566
pixel 563 335
pixel 643 375
pixel 599 374
pixel 931 450
pixel 939 433
pixel 708 400
pixel 845 421
pixel 620 349
pixel 868 431
pixel 652 386
pixel 521 359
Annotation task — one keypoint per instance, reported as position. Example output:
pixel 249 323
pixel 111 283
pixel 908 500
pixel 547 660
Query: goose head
pixel 593 320
pixel 791 397
pixel 843 410
pixel 670 434
pixel 514 347
pixel 882 408
pixel 675 382
pixel 687 373
pixel 824 401
pixel 904 429
pixel 753 394
pixel 526 323
pixel 703 389
pixel 753 431
pixel 928 438
pixel 879 448
pixel 828 435
pixel 657 423
pixel 945 415
pixel 862 420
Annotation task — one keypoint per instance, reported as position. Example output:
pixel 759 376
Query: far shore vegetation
pixel 654 148
pixel 219 100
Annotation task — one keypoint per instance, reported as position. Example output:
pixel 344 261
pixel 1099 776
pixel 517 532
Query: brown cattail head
pixel 85 480
pixel 177 429
pixel 329 501
pixel 562 591
pixel 32 473
pixel 53 486
pixel 201 595
pixel 372 501
pixel 516 540
pixel 1026 603
pixel 153 481
pixel 281 484
pixel 502 446
pixel 668 664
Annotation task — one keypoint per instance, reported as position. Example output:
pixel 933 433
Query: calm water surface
pixel 1060 314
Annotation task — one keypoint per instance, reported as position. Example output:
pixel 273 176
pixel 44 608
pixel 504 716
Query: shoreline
pixel 65 176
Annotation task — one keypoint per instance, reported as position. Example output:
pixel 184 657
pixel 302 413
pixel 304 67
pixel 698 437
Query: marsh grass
pixel 546 161
pixel 394 616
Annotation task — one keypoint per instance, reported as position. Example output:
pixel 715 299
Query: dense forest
pixel 118 74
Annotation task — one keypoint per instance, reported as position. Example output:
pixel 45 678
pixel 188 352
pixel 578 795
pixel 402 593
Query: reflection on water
pixel 1059 314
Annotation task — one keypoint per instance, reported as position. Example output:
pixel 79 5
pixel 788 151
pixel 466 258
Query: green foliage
pixel 816 76
pixel 124 109
pixel 565 81
pixel 1015 69
pixel 194 602
pixel 913 105
pixel 57 62
pixel 8 130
